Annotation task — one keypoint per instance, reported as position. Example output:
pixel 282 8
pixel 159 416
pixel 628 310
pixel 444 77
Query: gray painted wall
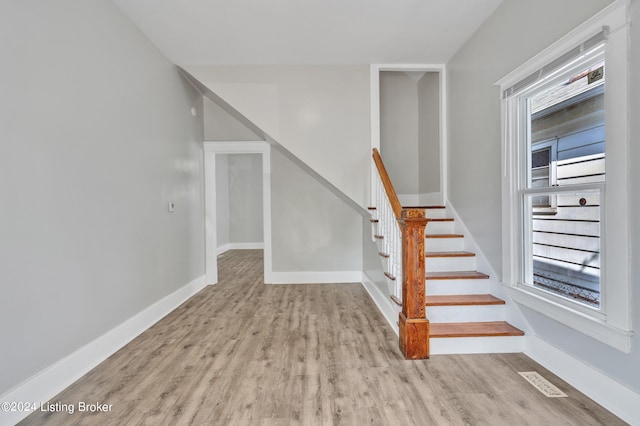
pixel 245 198
pixel 222 198
pixel 219 125
pixel 510 37
pixel 312 229
pixel 399 130
pixel 410 131
pixel 507 39
pixel 321 114
pixel 429 133
pixel 634 358
pixel 239 199
pixel 96 137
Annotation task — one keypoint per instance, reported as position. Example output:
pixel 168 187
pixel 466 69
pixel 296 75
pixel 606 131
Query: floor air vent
pixel 542 384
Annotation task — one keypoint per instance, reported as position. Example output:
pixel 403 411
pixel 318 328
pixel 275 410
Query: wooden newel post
pixel 414 325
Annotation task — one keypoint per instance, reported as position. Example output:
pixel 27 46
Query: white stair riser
pixel 475 313
pixel 443 244
pixel 440 228
pixel 439 213
pixel 439 264
pixel 457 286
pixel 476 345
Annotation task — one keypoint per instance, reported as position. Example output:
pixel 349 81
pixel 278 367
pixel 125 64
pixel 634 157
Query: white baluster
pixel 388 227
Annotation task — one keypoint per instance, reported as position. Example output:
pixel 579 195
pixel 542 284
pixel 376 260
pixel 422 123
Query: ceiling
pixel 215 32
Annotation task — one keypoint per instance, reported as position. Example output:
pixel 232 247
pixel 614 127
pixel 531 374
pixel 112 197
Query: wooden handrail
pixel 388 186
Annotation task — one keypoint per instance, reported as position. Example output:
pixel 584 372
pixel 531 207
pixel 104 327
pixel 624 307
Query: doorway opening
pixel 237 201
pixel 408 116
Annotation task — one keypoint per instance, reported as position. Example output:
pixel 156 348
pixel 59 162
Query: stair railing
pixel 388 210
pixel 401 232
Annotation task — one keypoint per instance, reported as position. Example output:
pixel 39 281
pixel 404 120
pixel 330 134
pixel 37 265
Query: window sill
pixel 592 327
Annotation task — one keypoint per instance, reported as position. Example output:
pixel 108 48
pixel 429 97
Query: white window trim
pixel 612 325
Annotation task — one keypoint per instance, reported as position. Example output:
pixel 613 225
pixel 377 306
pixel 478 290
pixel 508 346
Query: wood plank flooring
pixel 245 353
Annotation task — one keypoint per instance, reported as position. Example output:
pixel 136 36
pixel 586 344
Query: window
pixel 565 180
pixel 562 243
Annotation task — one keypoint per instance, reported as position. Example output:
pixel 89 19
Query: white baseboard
pixel 612 395
pixel 239 246
pixel 315 277
pixel 388 309
pixel 222 249
pixel 55 378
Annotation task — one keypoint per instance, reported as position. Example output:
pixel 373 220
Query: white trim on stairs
pixel 476 345
pixel 52 380
pixel 512 314
pixel 383 301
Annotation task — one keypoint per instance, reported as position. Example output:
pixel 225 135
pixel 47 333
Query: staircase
pixel 446 306
pixel 463 316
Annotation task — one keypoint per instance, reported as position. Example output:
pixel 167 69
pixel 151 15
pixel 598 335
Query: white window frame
pixel 611 324
pixel 552 145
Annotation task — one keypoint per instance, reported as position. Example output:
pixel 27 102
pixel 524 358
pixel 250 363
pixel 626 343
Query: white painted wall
pixel 319 113
pixel 96 137
pixel 313 229
pixel 399 130
pixel 510 37
pixel 429 133
pixel 245 198
pixel 222 200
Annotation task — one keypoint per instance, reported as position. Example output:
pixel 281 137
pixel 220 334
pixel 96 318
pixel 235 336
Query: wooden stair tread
pixel 443 236
pixel 473 329
pixel 423 207
pixel 463 300
pixel 440 219
pixel 456 275
pixel 449 254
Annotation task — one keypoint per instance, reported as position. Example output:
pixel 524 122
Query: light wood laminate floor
pixel 245 353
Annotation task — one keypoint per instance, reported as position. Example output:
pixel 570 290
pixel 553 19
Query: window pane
pixel 566 140
pixel 564 248
pixel 541 158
